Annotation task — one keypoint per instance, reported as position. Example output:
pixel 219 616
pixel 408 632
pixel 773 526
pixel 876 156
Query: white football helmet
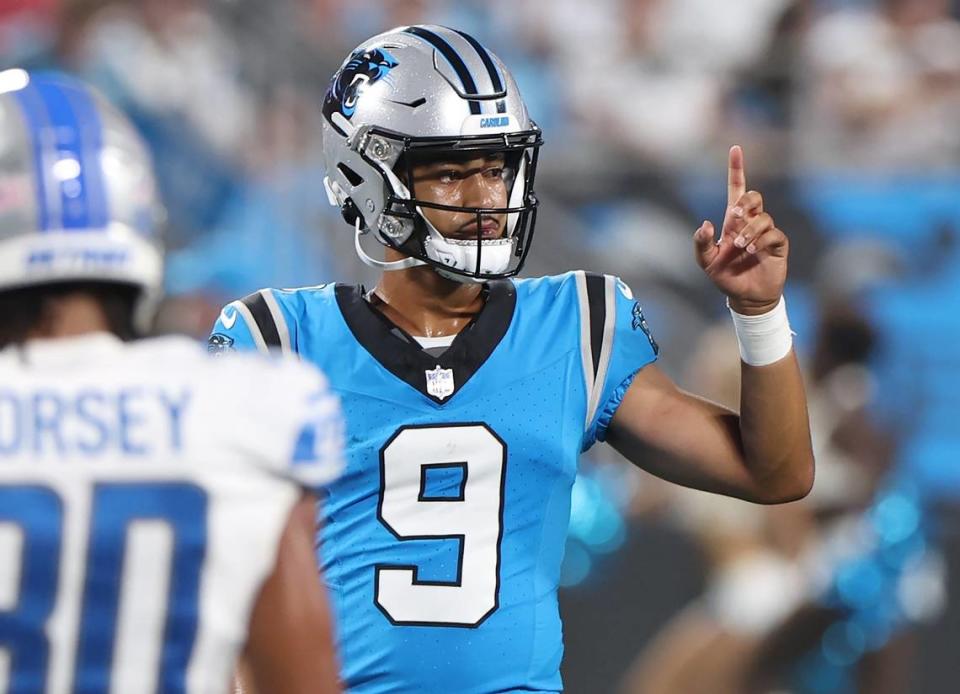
pixel 428 91
pixel 78 200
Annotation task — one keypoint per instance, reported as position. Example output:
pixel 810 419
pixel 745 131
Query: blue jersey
pixel 442 540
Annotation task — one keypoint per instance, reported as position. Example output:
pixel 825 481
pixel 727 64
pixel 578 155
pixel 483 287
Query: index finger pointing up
pixel 736 177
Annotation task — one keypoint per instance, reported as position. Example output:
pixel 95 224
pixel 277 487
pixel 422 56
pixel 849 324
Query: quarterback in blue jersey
pixel 469 394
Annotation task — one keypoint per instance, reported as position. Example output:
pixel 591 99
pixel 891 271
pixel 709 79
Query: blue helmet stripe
pixel 452 57
pixel 91 149
pixel 66 126
pixel 78 137
pixel 66 145
pixel 38 126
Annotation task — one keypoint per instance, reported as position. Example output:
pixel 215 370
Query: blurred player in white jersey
pixel 156 520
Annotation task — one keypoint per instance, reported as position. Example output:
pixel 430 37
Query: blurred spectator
pixel 918 379
pixel 882 88
pixel 633 96
pixel 761 107
pixel 754 578
pixel 25 25
pixel 173 57
pixel 276 229
pixel 648 82
pixel 789 586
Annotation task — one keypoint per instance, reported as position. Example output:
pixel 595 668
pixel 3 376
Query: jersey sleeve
pixel 255 322
pixel 231 333
pixel 616 343
pixel 292 424
pixel 273 413
pixel 316 453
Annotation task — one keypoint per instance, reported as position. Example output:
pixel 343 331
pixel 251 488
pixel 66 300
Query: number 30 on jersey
pixel 472 514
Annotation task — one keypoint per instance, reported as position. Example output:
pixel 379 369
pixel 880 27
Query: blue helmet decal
pixel 362 68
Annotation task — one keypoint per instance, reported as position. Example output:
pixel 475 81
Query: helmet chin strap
pixel 381 264
pixel 462 279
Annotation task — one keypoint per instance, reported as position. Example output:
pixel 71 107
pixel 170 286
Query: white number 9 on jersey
pixel 472 514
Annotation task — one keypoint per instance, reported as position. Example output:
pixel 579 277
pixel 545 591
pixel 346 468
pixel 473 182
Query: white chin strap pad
pixel 457 254
pixel 462 255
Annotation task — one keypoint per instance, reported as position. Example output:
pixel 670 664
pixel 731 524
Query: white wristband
pixel 763 339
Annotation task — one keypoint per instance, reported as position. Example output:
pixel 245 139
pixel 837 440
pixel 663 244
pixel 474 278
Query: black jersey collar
pixel 402 355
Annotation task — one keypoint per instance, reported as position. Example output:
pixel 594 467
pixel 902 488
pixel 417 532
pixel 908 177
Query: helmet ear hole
pixel 350 212
pixel 352 176
pixel 349 208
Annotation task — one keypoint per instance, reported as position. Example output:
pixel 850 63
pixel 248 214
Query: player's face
pixel 472 180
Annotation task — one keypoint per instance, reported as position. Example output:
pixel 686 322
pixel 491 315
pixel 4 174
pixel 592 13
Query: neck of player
pixel 423 303
pixel 70 315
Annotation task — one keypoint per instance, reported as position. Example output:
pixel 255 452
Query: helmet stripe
pixel 452 57
pixel 67 137
pixel 91 149
pixel 492 69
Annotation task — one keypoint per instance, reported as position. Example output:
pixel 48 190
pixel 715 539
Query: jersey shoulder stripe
pixel 597 302
pixel 273 320
pixel 265 320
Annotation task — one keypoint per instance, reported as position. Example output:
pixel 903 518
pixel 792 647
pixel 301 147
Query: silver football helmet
pixel 427 91
pixel 78 200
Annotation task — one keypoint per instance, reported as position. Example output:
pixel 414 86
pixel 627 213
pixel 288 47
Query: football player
pixel 155 513
pixel 469 394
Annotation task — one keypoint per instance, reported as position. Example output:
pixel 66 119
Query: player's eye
pixel 494 172
pixel 448 175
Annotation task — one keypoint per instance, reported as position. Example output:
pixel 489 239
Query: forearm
pixel 242 679
pixel 682 438
pixel 774 429
pixel 290 648
pixel 697 443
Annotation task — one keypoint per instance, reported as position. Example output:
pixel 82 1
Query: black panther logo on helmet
pixel 363 68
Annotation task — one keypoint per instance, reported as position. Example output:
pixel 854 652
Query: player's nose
pixel 481 190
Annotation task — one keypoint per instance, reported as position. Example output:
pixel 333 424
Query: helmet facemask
pixel 404 226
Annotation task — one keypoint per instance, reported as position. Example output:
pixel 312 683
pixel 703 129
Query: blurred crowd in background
pixel 849 114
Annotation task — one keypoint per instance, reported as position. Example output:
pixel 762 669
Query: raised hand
pixel 749 263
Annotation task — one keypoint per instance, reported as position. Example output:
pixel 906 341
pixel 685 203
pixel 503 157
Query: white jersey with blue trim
pixel 443 539
pixel 144 488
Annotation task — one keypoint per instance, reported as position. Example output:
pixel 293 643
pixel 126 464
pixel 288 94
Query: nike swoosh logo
pixel 228 319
